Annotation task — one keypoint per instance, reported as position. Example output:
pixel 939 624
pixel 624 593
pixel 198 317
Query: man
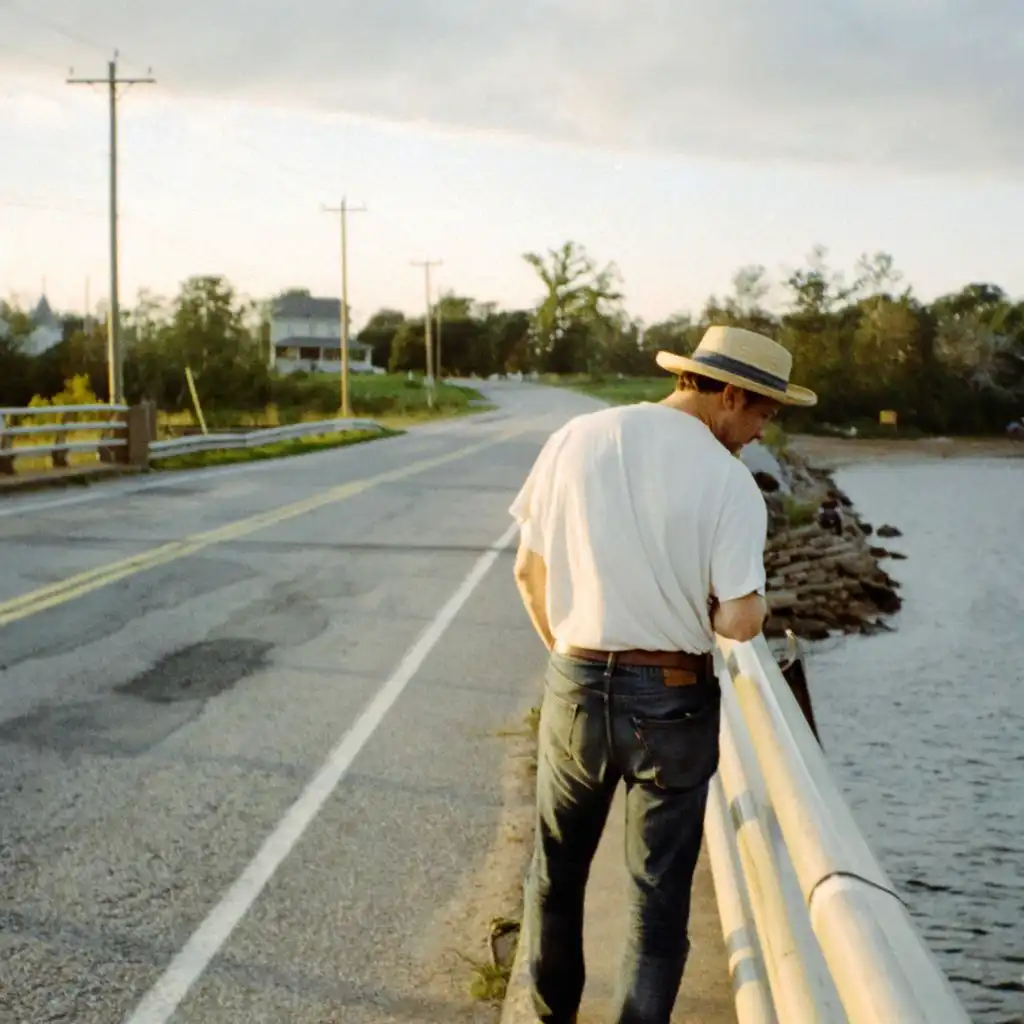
pixel 641 536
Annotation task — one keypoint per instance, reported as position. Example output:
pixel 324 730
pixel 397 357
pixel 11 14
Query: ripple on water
pixel 924 727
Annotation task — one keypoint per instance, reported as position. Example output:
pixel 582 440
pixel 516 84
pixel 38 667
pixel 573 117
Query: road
pixel 249 728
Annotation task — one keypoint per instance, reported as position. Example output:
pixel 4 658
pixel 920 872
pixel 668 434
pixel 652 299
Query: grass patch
pixel 618 391
pixel 280 449
pixel 488 982
pixel 377 395
pixel 798 513
pixel 489 979
pixel 392 400
pixel 775 439
pixel 533 721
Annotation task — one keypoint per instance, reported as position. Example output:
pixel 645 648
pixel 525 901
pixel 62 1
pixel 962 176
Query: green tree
pixel 579 296
pixel 679 333
pixel 16 365
pixel 207 328
pixel 409 348
pixel 378 335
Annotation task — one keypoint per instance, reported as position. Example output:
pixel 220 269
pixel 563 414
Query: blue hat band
pixel 740 369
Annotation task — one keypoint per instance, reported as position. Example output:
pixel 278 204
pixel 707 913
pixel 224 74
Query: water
pixel 924 727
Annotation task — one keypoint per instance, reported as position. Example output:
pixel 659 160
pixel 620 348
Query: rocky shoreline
pixel 825 576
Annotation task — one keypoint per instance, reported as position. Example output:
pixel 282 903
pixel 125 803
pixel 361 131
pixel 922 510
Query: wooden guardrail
pixel 126 435
pixel 120 434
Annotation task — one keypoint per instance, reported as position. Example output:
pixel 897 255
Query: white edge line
pixel 163 999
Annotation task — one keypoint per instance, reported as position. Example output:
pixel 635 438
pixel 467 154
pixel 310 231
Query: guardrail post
pixel 6 443
pixel 140 422
pixel 58 455
pixel 109 454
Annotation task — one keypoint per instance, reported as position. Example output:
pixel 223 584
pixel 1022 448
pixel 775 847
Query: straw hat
pixel 745 359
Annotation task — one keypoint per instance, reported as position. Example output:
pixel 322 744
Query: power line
pixel 56 27
pixel 115 362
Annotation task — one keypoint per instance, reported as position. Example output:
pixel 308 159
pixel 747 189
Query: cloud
pixel 926 85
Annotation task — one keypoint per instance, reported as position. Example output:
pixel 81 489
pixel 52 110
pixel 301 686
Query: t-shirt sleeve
pixel 737 554
pixel 531 501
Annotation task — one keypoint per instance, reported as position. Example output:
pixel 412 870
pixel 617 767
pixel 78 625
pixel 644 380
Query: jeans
pixel 600 725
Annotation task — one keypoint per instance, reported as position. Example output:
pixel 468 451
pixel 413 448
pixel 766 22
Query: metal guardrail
pixel 114 423
pixel 814 929
pixel 254 438
pixel 112 432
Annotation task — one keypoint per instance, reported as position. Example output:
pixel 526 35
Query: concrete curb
pixel 70 478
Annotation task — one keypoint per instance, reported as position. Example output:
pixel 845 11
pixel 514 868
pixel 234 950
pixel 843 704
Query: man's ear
pixel 733 397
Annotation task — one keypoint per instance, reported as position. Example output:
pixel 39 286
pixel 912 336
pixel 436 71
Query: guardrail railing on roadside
pixel 123 434
pixel 108 422
pixel 254 438
pixel 814 929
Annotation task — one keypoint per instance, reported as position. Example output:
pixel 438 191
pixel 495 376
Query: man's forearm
pixel 535 608
pixel 532 582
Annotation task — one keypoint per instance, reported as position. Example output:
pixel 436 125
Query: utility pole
pixel 426 265
pixel 437 347
pixel 115 357
pixel 344 210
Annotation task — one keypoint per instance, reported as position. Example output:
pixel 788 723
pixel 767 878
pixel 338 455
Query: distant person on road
pixel 641 537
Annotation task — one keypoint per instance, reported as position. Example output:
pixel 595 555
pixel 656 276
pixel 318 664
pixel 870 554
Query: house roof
pixel 292 304
pixel 43 315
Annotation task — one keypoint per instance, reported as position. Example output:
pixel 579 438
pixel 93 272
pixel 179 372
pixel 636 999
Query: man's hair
pixel 709 386
pixel 698 382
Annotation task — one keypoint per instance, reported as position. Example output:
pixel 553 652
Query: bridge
pixel 255 762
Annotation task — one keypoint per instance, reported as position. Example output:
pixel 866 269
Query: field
pixel 392 400
pixel 618 391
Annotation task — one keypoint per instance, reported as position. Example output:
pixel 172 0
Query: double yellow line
pixel 82 583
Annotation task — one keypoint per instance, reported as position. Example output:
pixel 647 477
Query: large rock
pixel 760 459
pixel 810 629
pixel 884 597
pixel 857 564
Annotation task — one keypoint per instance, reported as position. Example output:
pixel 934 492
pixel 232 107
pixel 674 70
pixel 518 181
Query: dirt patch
pixel 464 926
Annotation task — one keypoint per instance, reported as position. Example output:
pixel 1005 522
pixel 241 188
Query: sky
pixel 679 140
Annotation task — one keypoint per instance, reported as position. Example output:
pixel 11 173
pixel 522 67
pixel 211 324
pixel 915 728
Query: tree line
pixel 864 341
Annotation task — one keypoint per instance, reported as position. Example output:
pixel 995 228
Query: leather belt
pixel 696 663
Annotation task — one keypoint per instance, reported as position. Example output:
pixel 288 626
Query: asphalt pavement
pixel 249 727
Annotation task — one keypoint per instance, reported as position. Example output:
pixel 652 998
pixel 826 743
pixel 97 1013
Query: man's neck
pixel 693 403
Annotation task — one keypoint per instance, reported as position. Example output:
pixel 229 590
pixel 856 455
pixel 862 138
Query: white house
pixel 305 334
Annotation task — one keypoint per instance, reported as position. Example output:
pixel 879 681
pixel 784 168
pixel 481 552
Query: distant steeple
pixel 42 315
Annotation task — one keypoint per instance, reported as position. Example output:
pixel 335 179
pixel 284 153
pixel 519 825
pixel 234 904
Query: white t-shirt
pixel 640 515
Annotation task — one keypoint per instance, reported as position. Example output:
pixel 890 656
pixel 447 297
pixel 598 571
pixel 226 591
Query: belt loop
pixel 610 664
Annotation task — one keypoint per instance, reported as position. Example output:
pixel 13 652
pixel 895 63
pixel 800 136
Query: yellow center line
pixel 82 583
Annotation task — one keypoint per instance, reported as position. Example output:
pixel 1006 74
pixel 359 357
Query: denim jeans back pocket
pixel 569 732
pixel 677 753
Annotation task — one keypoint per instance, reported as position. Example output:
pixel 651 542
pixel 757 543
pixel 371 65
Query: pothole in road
pixel 199 671
pixel 126 722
